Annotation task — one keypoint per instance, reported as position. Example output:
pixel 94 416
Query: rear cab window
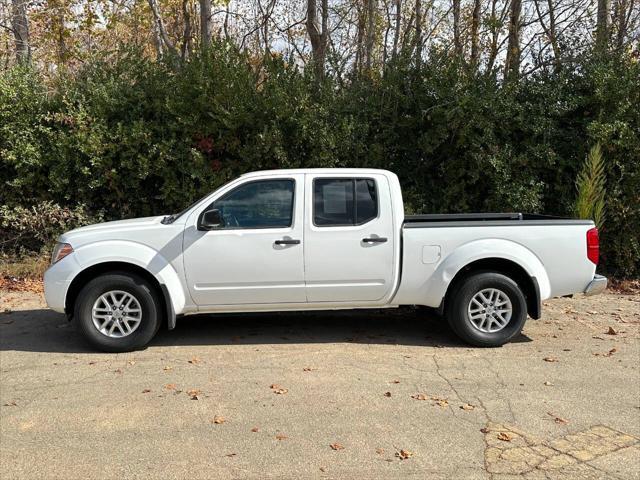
pixel 344 201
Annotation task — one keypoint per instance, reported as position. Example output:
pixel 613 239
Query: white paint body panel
pixel 331 268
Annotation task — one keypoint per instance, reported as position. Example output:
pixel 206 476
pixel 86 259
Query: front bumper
pixel 596 286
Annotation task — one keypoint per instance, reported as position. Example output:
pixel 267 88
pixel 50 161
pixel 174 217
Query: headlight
pixel 60 251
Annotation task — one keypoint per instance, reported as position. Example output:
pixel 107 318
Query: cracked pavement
pixel 560 402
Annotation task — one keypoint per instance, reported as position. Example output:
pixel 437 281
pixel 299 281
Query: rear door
pixel 349 238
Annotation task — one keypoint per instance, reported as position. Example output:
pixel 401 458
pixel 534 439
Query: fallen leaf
pixel 131 362
pixel 592 312
pixel 167 368
pixel 557 419
pixel 281 436
pixel 278 390
pixel 548 384
pixel 442 402
pixel 230 454
pixel 484 430
pixel 218 419
pixel 387 394
pixel 92 363
pixel 610 352
pixel 404 454
pixel 170 386
pixel 255 429
pixel 194 361
pixel 379 451
pixel 117 370
pixel 12 403
pixel 336 446
pixel 322 469
pixel 420 396
pixel 146 390
pixel 395 381
pixel 611 331
pixel 193 393
pixel 306 369
pixel 550 359
pixel 467 406
pixel 504 436
pixel 597 338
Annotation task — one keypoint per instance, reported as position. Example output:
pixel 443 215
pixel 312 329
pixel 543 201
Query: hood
pixel 113 230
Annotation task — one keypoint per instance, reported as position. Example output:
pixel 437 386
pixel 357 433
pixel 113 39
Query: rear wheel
pixel 487 309
pixel 117 312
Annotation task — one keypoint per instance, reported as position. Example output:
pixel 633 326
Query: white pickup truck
pixel 316 239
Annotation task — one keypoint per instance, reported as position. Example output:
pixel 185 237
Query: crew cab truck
pixel 316 239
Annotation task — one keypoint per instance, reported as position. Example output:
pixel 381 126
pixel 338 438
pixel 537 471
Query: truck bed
pixel 486 219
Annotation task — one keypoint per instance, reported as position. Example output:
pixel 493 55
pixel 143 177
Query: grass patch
pixel 27 267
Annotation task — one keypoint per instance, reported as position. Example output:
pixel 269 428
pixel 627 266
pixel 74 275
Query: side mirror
pixel 210 219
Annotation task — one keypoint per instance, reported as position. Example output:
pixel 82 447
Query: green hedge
pixel 130 136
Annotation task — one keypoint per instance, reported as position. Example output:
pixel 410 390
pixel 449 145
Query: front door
pixel 256 255
pixel 349 239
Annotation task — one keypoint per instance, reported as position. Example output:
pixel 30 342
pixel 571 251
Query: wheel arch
pixel 101 268
pixel 527 283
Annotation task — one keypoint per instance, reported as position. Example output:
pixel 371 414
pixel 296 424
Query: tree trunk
pixel 205 23
pixel 512 63
pixel 602 25
pixel 186 35
pixel 457 44
pixel 318 36
pixel 162 36
pixel 396 33
pixel 418 32
pixel 370 40
pixel 20 26
pixel 475 27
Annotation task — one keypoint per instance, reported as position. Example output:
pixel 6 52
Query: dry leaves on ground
pixel 12 403
pixel 194 361
pixel 167 368
pixel 277 389
pixel 194 394
pixel 557 419
pixel 218 419
pixel 404 454
pixel 608 354
pixel 550 359
pixel 146 390
pixel 467 406
pixel 306 369
pixel 504 436
pixel 336 446
pixel 15 284
pixel 548 384
pixel 420 396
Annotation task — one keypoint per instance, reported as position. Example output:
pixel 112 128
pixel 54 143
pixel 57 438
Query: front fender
pixel 462 256
pixel 137 254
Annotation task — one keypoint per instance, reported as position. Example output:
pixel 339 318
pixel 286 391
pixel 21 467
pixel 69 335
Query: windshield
pixel 173 217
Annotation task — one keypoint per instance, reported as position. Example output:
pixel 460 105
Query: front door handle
pixel 374 240
pixel 287 241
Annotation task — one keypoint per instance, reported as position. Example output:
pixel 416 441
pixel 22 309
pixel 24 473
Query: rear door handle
pixel 287 242
pixel 374 240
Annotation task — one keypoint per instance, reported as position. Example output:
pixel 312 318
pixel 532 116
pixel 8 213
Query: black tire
pixel 143 292
pixel 458 304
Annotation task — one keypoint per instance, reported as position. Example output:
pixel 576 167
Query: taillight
pixel 593 245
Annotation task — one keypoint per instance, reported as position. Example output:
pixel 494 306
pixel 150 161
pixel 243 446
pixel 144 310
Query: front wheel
pixel 487 309
pixel 117 312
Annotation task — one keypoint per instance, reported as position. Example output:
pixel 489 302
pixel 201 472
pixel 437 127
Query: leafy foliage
pixel 131 136
pixel 591 187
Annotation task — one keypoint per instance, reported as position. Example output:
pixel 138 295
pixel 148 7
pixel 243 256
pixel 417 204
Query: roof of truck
pixel 342 171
